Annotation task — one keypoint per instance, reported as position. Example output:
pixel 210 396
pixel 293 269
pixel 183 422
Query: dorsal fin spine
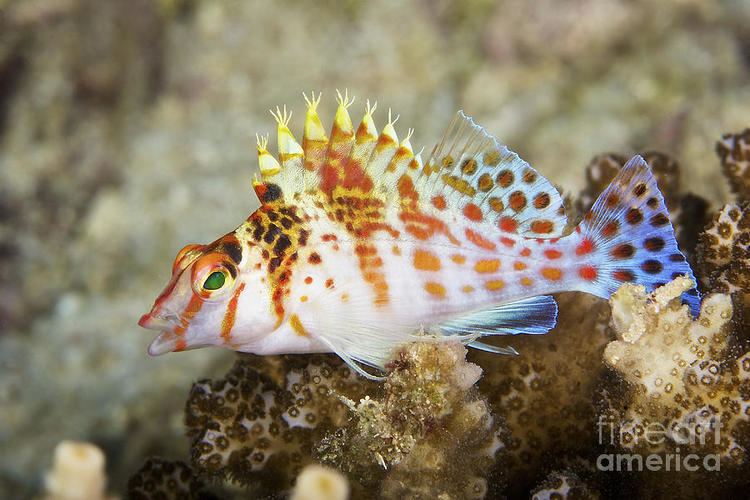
pixel 314 139
pixel 343 129
pixel 266 162
pixel 288 146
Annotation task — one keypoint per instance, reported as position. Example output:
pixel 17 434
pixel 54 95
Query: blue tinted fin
pixel 631 238
pixel 493 349
pixel 531 316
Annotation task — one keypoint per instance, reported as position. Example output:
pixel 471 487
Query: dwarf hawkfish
pixel 359 246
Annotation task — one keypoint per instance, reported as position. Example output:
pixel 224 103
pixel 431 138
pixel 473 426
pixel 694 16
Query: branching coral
pixel 563 485
pixel 78 472
pixel 320 483
pixel 545 394
pixel 683 387
pixel 160 479
pixel 429 435
pixel 734 152
pixel 724 253
pixel 258 425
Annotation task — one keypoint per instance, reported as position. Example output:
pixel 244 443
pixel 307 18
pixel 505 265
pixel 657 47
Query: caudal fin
pixel 630 238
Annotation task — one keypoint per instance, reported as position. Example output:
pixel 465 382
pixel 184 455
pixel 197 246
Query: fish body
pixel 359 245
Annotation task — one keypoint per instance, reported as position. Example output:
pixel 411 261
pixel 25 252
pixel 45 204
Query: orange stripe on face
pixel 487 266
pixel 189 313
pixel 435 289
pixel 426 261
pixel 479 240
pixel 229 316
pixel 552 273
pixel 508 242
pixel 180 345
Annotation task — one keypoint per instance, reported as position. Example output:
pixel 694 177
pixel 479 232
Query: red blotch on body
pixel 478 240
pixel 525 252
pixel 585 247
pixel 508 242
pixel 473 212
pixel 588 273
pixel 508 224
pixel 542 226
pixel 552 254
pixel 439 202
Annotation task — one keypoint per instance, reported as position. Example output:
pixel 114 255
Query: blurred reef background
pixel 127 130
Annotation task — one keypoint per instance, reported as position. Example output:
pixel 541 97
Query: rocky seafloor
pixel 126 131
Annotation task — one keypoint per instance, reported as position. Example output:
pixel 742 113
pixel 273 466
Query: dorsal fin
pixel 470 172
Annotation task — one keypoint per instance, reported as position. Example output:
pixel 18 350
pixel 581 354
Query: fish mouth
pixel 161 322
pixel 167 341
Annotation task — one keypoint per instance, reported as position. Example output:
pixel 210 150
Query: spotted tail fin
pixel 627 237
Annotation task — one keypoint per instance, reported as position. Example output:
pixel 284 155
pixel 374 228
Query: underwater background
pixel 127 129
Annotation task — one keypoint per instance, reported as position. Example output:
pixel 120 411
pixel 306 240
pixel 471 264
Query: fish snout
pixel 156 320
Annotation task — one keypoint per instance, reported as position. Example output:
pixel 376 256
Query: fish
pixel 359 246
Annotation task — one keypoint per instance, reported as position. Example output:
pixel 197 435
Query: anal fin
pixel 531 316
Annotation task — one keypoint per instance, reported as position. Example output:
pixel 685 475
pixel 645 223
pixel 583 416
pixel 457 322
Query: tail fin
pixel 630 238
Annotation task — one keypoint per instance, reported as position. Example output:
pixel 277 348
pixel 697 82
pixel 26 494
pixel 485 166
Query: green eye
pixel 214 281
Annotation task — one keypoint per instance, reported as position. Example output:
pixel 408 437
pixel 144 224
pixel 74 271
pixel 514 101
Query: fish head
pixel 216 296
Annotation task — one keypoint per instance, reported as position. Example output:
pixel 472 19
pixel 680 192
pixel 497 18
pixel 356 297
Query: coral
pixel 257 426
pixel 724 253
pixel 320 483
pixel 683 385
pixel 545 395
pixel 734 152
pixel 160 479
pixel 77 473
pixel 563 484
pixel 429 434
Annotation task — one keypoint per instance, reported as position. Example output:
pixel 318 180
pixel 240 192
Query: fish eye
pixel 212 275
pixel 215 281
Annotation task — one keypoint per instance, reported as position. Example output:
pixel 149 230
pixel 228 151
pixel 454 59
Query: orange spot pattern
pixel 296 325
pixel 552 273
pixel 508 224
pixel 473 212
pixel 494 285
pixel 552 254
pixel 426 261
pixel 458 258
pixel 487 266
pixel 435 289
pixel 478 240
pixel 585 247
pixel 588 273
